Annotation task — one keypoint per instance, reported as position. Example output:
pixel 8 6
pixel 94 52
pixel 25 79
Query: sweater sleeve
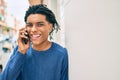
pixel 64 73
pixel 14 66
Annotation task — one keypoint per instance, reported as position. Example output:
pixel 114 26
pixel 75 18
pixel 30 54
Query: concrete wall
pixel 93 39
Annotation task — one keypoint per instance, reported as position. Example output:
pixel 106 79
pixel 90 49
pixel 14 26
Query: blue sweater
pixel 51 64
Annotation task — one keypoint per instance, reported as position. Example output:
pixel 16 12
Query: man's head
pixel 42 9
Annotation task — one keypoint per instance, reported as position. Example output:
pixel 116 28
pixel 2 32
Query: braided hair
pixel 50 16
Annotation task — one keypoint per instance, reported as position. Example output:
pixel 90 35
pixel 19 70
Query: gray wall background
pixel 92 29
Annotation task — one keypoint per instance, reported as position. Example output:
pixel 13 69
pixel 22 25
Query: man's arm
pixel 14 66
pixel 64 75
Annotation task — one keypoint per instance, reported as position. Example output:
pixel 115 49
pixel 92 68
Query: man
pixel 35 57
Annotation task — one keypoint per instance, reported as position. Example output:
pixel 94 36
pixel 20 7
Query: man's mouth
pixel 35 36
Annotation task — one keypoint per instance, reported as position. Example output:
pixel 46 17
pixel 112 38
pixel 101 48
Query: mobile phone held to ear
pixel 25 40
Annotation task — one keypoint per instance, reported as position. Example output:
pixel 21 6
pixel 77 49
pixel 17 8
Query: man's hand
pixel 22 47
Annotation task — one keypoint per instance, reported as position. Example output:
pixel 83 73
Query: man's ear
pixel 51 27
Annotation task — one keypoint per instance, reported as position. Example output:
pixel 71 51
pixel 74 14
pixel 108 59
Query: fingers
pixel 22 33
pixel 21 44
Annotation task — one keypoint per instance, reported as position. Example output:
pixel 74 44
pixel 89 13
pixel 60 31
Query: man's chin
pixel 35 43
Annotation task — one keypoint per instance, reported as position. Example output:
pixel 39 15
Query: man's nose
pixel 34 28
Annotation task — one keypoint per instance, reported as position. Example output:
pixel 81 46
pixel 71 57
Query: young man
pixel 37 58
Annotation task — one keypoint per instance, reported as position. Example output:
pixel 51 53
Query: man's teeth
pixel 35 36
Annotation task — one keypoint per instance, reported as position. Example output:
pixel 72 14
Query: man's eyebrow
pixel 40 22
pixel 36 22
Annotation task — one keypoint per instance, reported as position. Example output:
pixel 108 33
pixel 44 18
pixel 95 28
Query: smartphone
pixel 25 40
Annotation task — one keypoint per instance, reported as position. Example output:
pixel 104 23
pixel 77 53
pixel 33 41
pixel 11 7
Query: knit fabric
pixel 51 64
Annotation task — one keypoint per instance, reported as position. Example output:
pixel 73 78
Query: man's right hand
pixel 22 47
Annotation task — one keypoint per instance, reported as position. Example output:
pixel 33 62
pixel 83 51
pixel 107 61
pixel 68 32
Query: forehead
pixel 36 17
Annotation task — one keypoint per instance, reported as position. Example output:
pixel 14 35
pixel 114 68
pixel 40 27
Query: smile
pixel 35 36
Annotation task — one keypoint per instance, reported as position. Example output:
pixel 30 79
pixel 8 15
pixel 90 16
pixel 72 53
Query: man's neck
pixel 43 46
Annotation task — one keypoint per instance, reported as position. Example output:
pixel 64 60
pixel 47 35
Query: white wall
pixel 93 39
pixel 55 6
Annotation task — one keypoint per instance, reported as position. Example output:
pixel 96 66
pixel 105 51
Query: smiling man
pixel 35 57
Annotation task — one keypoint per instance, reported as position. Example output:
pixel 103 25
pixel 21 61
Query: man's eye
pixel 39 25
pixel 28 25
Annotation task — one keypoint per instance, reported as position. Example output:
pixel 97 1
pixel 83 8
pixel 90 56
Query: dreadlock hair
pixel 50 16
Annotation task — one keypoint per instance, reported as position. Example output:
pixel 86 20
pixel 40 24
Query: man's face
pixel 38 28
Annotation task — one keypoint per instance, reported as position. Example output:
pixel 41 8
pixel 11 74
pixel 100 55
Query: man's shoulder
pixel 59 49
